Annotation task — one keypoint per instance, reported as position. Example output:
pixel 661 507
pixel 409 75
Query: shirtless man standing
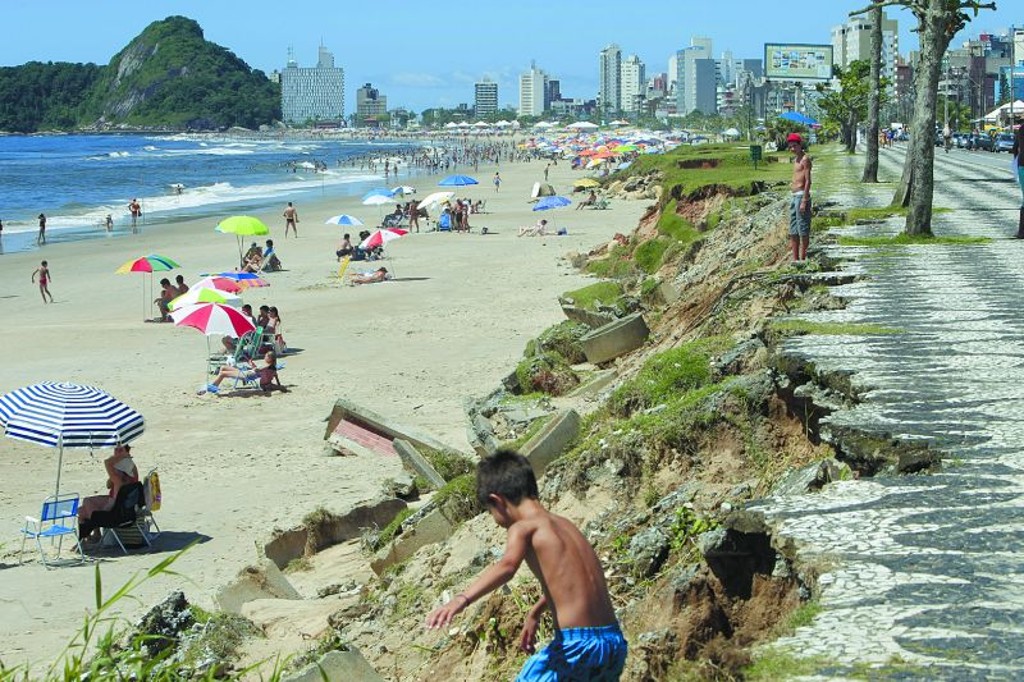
pixel 135 209
pixel 800 204
pixel 291 218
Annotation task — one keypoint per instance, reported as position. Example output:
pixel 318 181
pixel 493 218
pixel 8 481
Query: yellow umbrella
pixel 586 183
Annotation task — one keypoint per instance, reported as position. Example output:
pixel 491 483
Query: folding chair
pixel 251 379
pixel 248 346
pixel 58 518
pixel 121 521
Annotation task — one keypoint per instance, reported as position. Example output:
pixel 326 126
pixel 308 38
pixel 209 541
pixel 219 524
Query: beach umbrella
pixel 345 220
pixel 436 198
pixel 797 117
pixel 219 283
pixel 246 280
pixel 213 319
pixel 548 203
pixel 378 192
pixel 403 190
pixel 382 237
pixel 152 263
pixel 59 415
pixel 205 295
pixel 242 226
pixel 586 183
pixel 378 200
pixel 458 181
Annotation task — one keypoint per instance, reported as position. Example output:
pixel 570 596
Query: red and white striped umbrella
pixel 219 283
pixel 213 319
pixel 382 236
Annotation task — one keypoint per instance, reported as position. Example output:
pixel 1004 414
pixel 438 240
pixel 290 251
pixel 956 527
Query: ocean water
pixel 76 180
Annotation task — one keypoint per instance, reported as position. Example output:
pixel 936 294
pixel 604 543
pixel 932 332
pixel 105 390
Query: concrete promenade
pixel 923 575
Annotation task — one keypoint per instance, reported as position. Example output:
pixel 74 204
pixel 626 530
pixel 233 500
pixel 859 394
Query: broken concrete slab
pixel 615 339
pixel 347 664
pixel 330 529
pixel 384 427
pixel 550 442
pixel 264 581
pixel 418 463
pixel 588 317
pixel 433 528
pixel 596 383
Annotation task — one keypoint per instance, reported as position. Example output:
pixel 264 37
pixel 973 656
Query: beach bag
pixel 152 492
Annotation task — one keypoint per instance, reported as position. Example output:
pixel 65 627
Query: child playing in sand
pixel 43 271
pixel 588 644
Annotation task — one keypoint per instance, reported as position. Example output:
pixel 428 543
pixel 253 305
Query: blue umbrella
pixel 378 192
pixel 344 219
pixel 458 181
pixel 797 117
pixel 60 415
pixel 547 203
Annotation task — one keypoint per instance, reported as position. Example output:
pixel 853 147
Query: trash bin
pixel 755 154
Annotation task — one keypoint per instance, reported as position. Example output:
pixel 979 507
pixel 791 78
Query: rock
pixel 346 664
pixel 739 358
pixel 800 481
pixel 677 498
pixel 164 624
pixel 401 485
pixel 264 581
pixel 648 549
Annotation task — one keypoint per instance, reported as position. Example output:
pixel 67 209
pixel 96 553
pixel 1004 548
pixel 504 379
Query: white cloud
pixel 412 79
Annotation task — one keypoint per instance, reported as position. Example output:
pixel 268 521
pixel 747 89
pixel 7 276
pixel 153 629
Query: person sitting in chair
pixel 121 471
pixel 591 200
pixel 267 375
pixel 538 230
pixel 378 275
pixel 271 263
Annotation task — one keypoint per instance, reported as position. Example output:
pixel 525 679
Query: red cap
pixel 794 137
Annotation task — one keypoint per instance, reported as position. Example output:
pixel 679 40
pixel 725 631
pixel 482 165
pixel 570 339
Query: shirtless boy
pixel 291 218
pixel 800 203
pixel 588 644
pixel 43 271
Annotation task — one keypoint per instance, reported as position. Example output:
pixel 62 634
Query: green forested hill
pixel 167 77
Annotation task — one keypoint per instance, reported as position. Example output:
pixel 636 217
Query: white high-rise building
pixel 632 83
pixel 532 89
pixel 852 41
pixel 695 88
pixel 609 84
pixel 485 98
pixel 313 94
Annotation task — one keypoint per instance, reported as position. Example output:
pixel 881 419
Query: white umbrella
pixel 582 125
pixel 344 220
pixel 377 200
pixel 436 198
pixel 60 415
pixel 403 190
pixel 213 319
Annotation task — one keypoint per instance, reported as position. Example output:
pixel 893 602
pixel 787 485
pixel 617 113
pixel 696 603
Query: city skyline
pixel 424 56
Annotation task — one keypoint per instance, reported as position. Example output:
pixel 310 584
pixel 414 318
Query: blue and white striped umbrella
pixel 59 415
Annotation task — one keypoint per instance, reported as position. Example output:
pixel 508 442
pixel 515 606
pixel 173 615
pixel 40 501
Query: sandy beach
pixel 233 468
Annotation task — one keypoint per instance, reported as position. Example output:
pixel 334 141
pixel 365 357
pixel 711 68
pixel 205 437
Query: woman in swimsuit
pixel 44 280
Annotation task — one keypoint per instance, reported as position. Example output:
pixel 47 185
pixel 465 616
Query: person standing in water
pixel 41 237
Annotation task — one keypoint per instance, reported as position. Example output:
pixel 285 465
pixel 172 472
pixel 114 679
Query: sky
pixel 425 54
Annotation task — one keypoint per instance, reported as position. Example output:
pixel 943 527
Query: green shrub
pixel 390 531
pixel 563 339
pixel 617 265
pixel 546 373
pixel 649 255
pixel 458 498
pixel 590 296
pixel 448 463
pixel 662 377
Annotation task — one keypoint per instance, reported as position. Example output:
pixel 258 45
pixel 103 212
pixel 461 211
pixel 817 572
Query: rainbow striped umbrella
pixel 151 263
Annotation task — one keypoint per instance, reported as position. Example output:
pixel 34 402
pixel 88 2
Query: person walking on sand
pixel 497 181
pixel 800 202
pixel 587 644
pixel 291 219
pixel 135 209
pixel 41 237
pixel 43 271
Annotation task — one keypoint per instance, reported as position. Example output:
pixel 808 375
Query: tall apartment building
pixel 485 98
pixel 370 103
pixel 696 81
pixel 609 83
pixel 313 93
pixel 852 41
pixel 533 89
pixel 632 84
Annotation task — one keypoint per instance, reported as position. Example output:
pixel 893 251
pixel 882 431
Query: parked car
pixel 1004 142
pixel 981 141
pixel 960 140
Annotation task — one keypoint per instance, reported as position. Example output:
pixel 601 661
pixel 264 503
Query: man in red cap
pixel 800 203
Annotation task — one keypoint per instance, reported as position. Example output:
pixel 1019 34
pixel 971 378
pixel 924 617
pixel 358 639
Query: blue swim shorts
pixel 578 655
pixel 799 221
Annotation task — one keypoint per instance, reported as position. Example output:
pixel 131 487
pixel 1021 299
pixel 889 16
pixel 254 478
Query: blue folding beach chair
pixel 59 517
pixel 444 223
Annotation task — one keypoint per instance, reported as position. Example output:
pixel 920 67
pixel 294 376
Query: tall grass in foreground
pixel 99 650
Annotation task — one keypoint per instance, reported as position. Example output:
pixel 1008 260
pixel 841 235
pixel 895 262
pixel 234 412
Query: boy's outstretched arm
pixel 494 576
pixel 528 635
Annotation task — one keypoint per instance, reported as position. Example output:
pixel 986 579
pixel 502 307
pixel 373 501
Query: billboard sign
pixel 797 62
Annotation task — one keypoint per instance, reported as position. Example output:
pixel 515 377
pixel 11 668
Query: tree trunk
pixel 918 171
pixel 874 96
